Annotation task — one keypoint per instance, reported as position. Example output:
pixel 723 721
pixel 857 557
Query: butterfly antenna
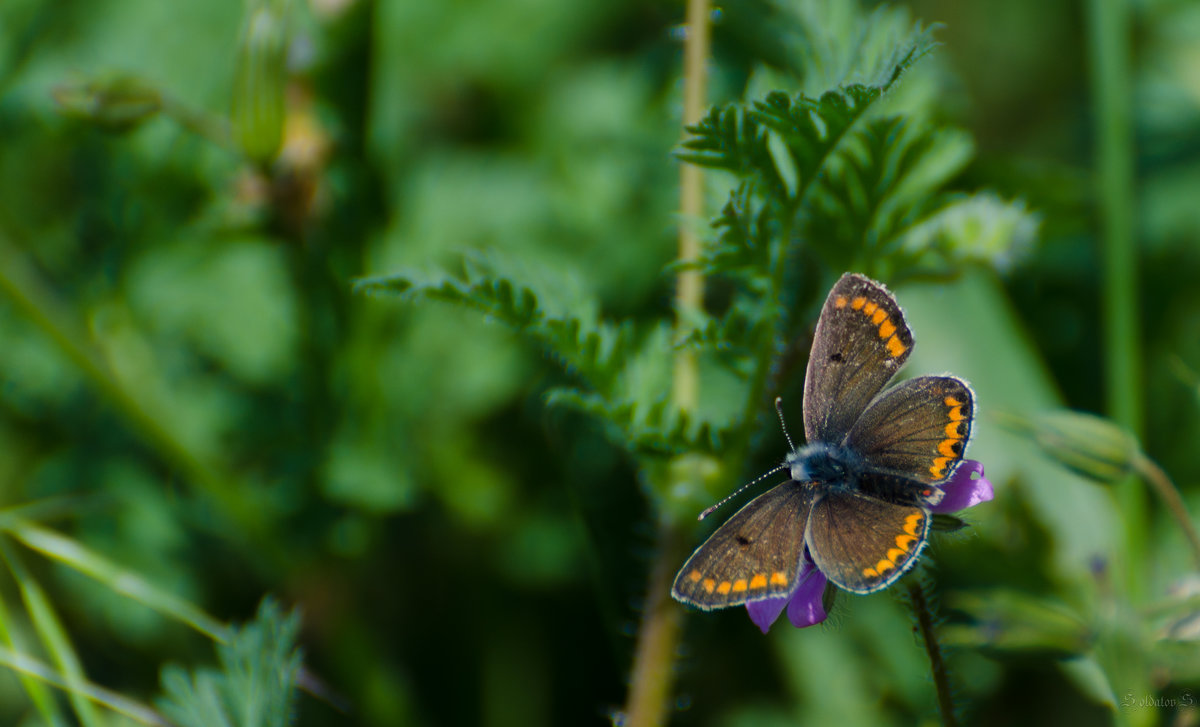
pixel 782 423
pixel 738 491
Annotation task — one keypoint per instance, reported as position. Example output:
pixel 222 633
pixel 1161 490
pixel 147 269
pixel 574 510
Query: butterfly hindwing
pixel 861 341
pixel 918 428
pixel 753 555
pixel 864 544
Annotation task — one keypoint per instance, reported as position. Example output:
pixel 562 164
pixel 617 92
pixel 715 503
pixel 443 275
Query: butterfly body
pixel 858 500
pixel 834 469
pixel 825 464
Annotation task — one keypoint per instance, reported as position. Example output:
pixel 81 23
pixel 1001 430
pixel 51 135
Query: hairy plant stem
pixel 937 666
pixel 653 674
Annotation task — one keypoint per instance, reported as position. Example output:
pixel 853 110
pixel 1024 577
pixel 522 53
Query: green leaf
pixel 557 317
pixel 54 637
pixel 30 668
pixel 652 428
pixel 831 42
pixel 1006 621
pixel 738 138
pixel 977 228
pixel 255 684
pixel 638 407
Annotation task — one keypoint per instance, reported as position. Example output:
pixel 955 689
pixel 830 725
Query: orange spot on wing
pixel 905 541
pixel 952 430
pixel 709 585
pixel 779 578
pixel 858 303
pixel 886 330
pixel 694 576
pixel 896 555
pixel 840 302
pixel 946 448
pixel 895 347
pixel 884 565
pixel 724 588
pixel 879 317
pixel 912 522
pixel 956 414
pixel 869 308
pixel 870 572
pixel 951 401
pixel 739 586
pixel 759 580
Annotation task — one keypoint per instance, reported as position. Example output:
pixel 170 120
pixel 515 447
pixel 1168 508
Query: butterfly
pixel 858 500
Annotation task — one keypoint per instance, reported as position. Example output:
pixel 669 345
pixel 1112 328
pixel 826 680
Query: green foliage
pixel 851 184
pixel 825 175
pixel 254 685
pixel 587 347
pixel 194 393
pixel 622 380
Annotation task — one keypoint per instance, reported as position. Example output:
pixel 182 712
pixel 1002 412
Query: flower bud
pixel 260 80
pixel 1087 444
pixel 118 103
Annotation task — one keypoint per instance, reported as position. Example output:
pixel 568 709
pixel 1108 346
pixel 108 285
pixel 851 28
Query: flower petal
pixel 962 491
pixel 763 613
pixel 806 607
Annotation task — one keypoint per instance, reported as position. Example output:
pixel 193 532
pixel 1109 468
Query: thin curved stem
pixel 1166 489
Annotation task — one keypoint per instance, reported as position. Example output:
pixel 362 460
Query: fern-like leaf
pixel 255 685
pixel 884 181
pixel 643 428
pixel 565 326
pixel 739 140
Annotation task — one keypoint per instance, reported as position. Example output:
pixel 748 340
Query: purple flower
pixel 961 491
pixel 805 605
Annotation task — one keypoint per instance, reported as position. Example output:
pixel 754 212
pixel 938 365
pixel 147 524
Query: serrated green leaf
pixel 644 429
pixel 831 43
pixel 883 182
pixel 255 685
pixel 560 320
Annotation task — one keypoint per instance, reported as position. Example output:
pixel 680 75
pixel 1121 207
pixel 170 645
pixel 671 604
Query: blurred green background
pixel 460 553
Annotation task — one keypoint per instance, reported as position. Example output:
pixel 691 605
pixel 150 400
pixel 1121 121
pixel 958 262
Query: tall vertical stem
pixel 689 293
pixel 1109 35
pixel 1109 47
pixel 658 637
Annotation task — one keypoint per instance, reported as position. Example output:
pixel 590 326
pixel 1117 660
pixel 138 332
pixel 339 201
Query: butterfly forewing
pixel 860 342
pixel 918 428
pixel 863 544
pixel 754 555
